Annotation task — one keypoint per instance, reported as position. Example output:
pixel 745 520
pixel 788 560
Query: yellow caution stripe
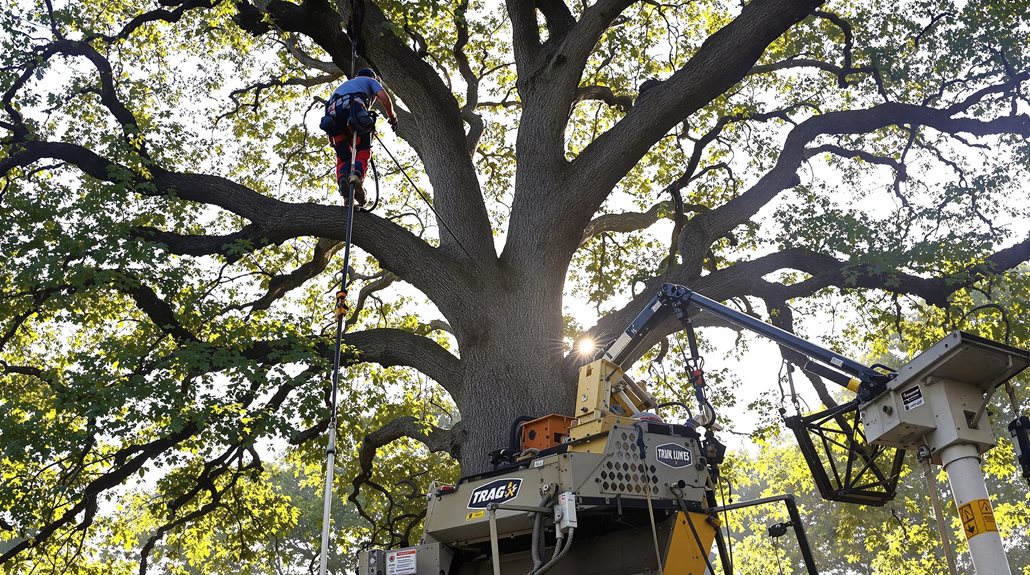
pixel 977 518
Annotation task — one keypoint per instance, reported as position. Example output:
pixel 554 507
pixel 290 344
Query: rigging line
pixel 654 527
pixel 428 203
pixel 776 552
pixel 726 516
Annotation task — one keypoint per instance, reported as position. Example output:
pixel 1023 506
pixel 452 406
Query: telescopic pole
pixel 341 312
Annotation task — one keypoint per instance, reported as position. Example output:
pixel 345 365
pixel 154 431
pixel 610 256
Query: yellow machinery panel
pixel 592 437
pixel 594 392
pixel 605 397
pixel 683 557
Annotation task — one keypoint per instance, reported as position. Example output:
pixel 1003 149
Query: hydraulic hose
pixel 537 537
pixel 514 442
pixel 558 539
pixel 547 566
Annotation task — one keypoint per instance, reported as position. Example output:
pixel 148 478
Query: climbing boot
pixel 359 192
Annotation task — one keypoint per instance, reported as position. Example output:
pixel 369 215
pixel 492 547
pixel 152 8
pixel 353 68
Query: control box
pixel 939 398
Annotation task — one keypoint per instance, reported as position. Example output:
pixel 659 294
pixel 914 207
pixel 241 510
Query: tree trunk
pixel 512 359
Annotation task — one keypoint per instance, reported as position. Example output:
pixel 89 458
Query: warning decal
pixel 403 562
pixel 977 517
pixel 912 398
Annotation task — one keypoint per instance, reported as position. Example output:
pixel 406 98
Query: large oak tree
pixel 170 233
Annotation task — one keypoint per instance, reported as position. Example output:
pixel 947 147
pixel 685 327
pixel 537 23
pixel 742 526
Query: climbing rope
pixel 426 199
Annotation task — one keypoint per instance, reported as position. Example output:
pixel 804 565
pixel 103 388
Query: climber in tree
pixel 346 117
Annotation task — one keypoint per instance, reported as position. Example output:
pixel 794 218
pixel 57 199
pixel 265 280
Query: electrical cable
pixel 425 199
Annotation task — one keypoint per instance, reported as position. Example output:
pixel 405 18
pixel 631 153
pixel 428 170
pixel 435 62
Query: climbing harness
pixel 347 111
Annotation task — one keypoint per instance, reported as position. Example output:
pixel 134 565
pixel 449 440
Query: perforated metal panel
pixel 623 471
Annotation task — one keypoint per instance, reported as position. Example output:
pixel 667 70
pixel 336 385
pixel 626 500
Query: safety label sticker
pixel 977 517
pixel 473 515
pixel 912 398
pixel 403 562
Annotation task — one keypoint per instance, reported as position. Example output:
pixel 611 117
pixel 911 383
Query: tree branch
pixel 626 221
pixel 390 347
pixel 306 60
pixel 558 18
pixel 525 37
pixel 722 60
pixel 161 15
pixel 842 74
pixel 281 284
pixel 604 94
pixel 123 469
pixel 385 280
pixel 259 87
pixel 702 230
pixel 435 125
pixel 273 222
pixel 434 438
pixel 745 278
pixel 468 111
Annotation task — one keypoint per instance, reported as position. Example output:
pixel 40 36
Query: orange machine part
pixel 545 432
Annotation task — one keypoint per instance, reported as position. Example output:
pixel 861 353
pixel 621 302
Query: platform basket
pixel 845 467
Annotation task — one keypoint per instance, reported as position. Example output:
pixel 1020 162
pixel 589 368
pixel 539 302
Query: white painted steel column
pixel 962 464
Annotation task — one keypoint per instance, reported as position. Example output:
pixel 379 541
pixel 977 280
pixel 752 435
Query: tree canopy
pixel 170 235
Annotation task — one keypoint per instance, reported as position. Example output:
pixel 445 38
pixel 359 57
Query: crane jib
pixel 678 300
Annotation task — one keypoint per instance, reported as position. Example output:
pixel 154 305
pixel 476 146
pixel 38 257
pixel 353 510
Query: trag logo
pixel 673 455
pixel 494 492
